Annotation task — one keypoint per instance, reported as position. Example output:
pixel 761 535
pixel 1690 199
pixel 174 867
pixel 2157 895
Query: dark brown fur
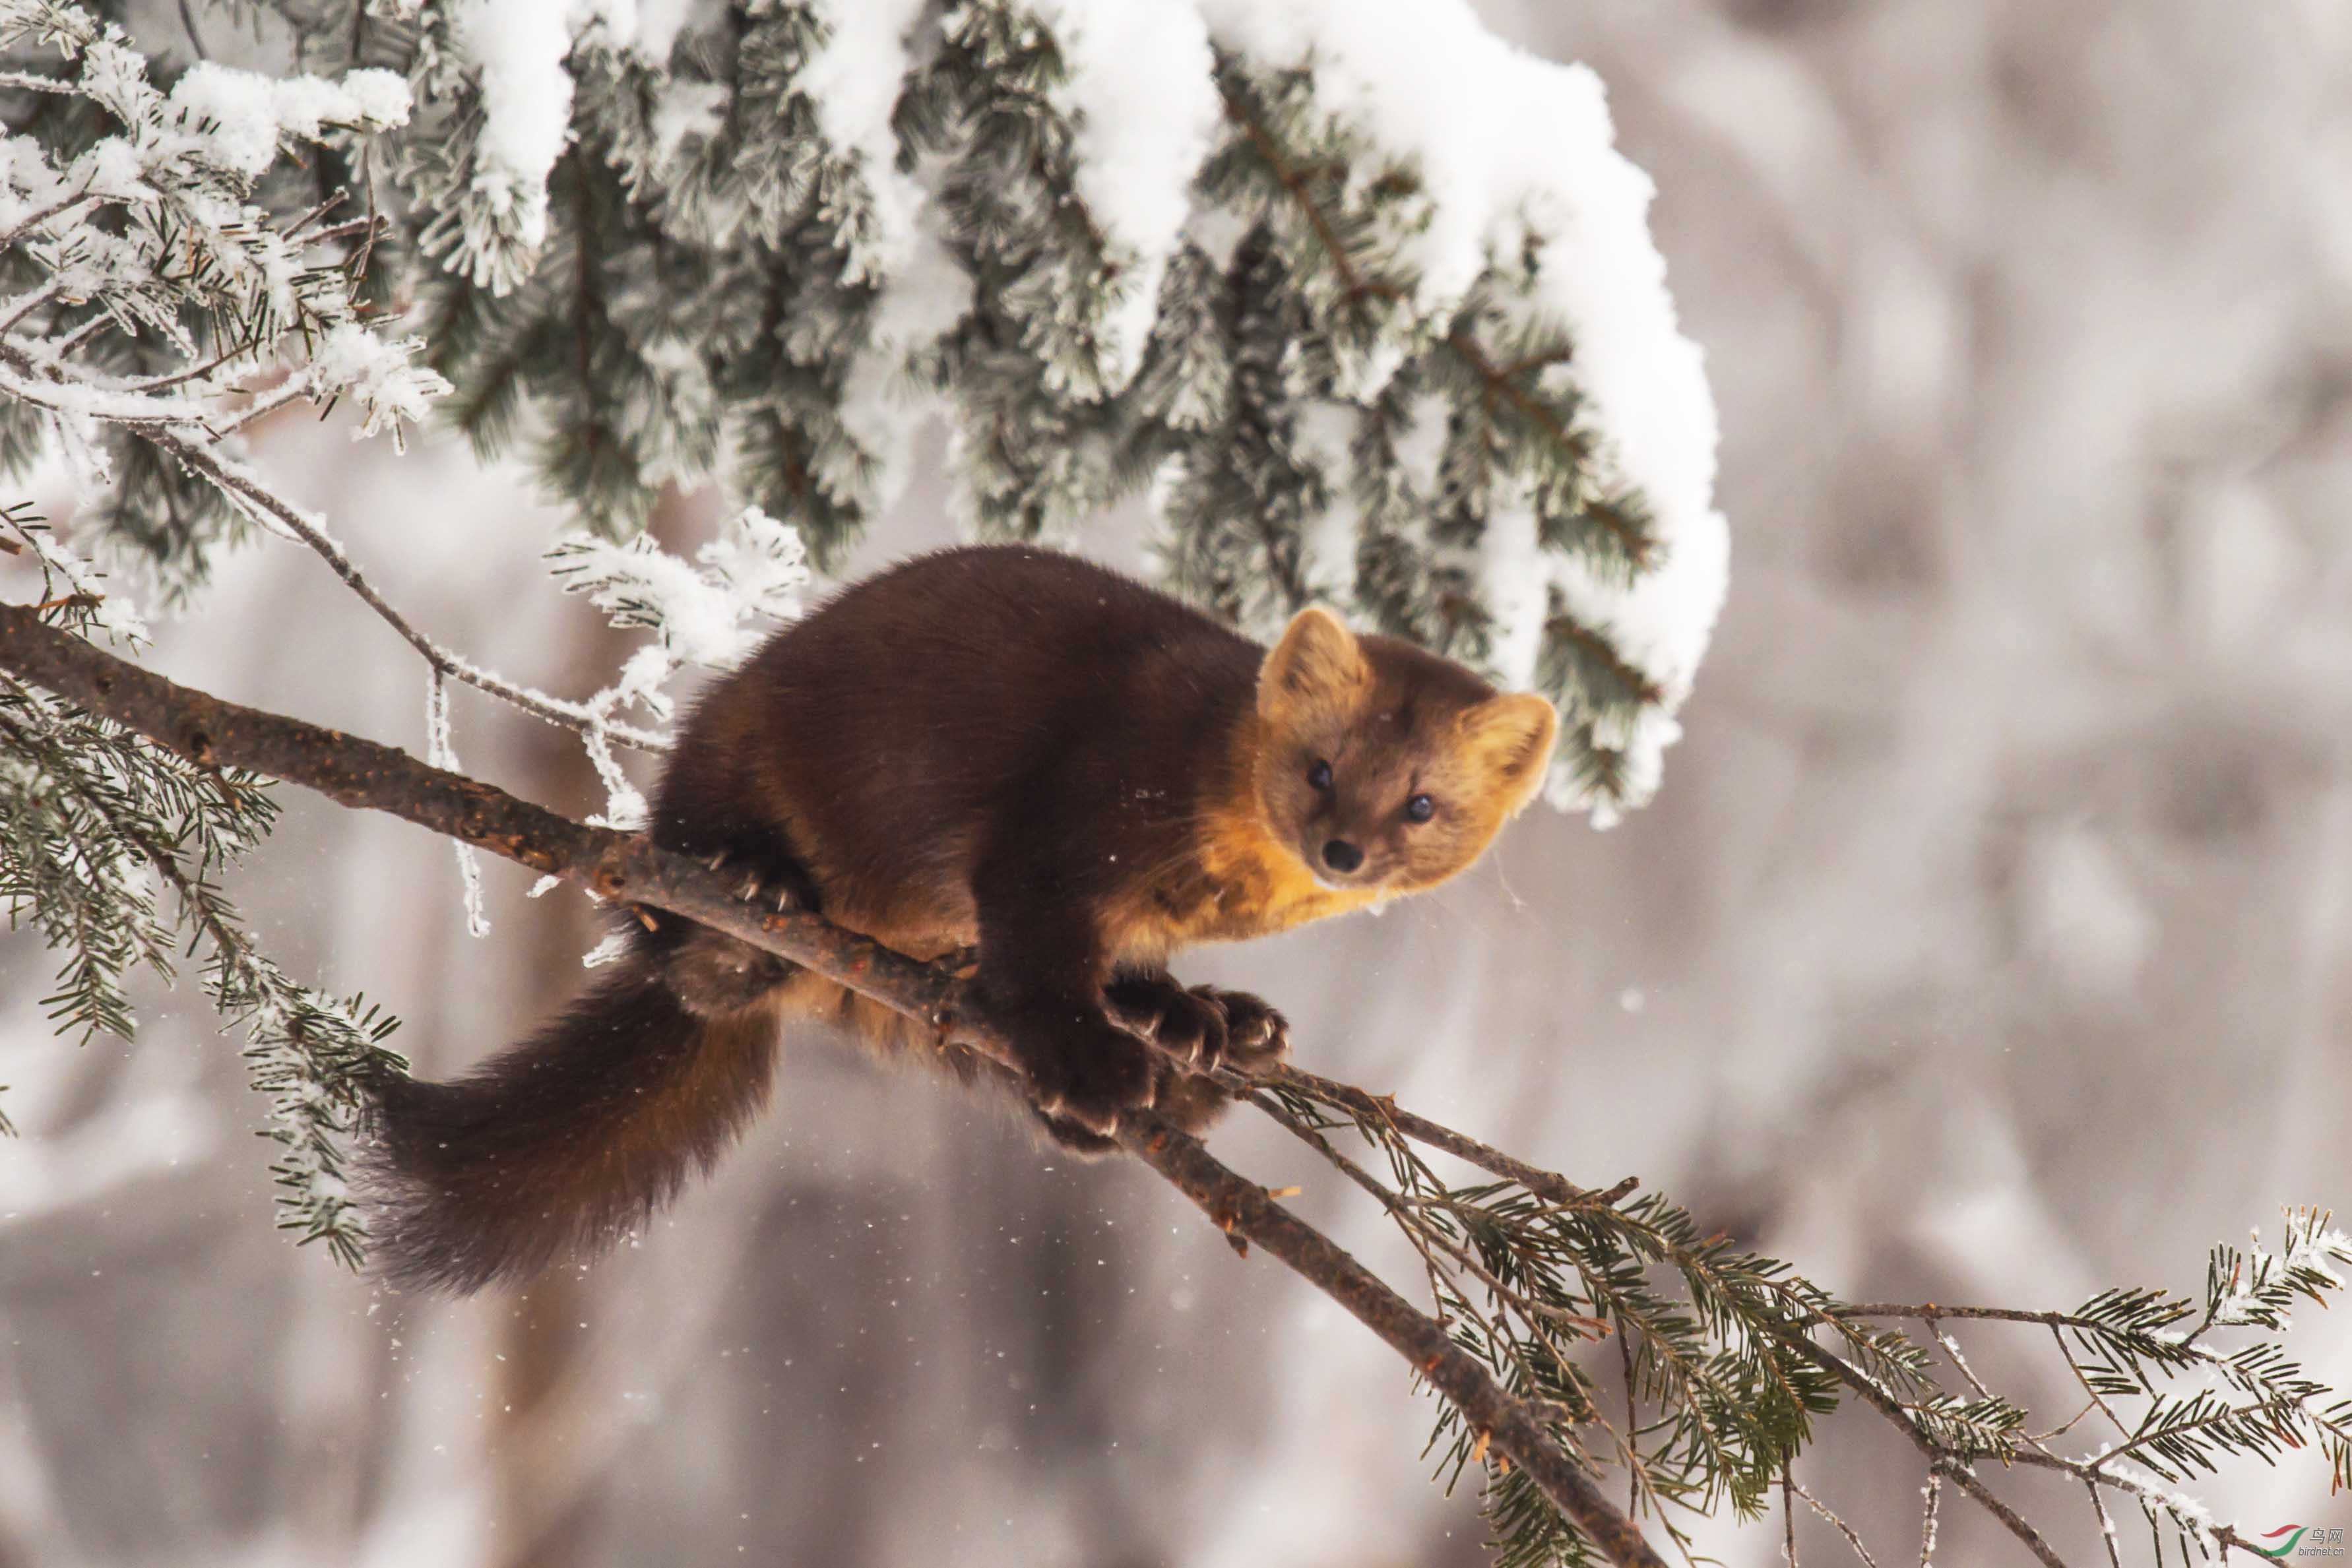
pixel 1001 747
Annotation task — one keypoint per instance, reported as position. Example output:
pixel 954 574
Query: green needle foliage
pixel 110 848
pixel 1697 1372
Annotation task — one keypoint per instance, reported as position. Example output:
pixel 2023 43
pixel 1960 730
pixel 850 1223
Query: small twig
pixel 1927 1516
pixel 38 384
pixel 42 216
pixel 239 483
pixel 317 210
pixel 2097 1401
pixel 2042 1440
pixel 367 225
pixel 289 389
pixel 2106 1525
pixel 196 373
pixel 1634 1423
pixel 25 81
pixel 1823 1508
pixel 25 304
pixel 376 224
pixel 1930 1311
pixel 1544 1183
pixel 72 342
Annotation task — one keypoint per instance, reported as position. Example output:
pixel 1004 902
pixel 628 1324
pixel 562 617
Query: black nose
pixel 1343 856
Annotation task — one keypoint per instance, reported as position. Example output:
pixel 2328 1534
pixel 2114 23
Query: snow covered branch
pixel 1403 349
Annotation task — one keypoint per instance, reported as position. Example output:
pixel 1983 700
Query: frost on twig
pixel 441 752
pixel 709 612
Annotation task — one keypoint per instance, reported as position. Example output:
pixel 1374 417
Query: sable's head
pixel 1384 766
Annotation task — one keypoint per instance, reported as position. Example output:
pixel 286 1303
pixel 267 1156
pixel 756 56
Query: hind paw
pixel 763 875
pixel 713 975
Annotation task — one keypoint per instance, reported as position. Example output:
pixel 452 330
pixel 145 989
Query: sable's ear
pixel 1317 657
pixel 1512 737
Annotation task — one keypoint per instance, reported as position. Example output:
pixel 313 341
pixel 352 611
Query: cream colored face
pixel 1384 767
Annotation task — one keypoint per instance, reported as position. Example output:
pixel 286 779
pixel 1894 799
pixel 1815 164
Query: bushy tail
pixel 561 1143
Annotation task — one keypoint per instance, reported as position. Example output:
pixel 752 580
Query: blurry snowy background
pixel 1990 940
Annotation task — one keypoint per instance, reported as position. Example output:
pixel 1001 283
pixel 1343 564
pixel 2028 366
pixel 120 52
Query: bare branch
pixel 1544 1183
pixel 1964 1477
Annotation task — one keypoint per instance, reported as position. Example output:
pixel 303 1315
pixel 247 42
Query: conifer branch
pixel 1512 1392
pixel 1501 383
pixel 355 772
pixel 1511 1395
pixel 1542 1183
pixel 1954 1466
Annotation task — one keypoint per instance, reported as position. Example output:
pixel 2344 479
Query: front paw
pixel 1184 1099
pixel 1189 1102
pixel 1203 1025
pixel 713 975
pixel 1187 1024
pixel 1084 1069
pixel 1256 1035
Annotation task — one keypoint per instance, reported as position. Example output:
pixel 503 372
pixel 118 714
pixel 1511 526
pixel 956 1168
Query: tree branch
pixel 1949 1464
pixel 622 867
pixel 1544 1183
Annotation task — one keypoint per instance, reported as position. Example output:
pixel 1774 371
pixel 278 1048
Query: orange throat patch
pixel 1264 885
pixel 1242 883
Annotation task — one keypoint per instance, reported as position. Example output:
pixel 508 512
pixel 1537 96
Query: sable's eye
pixel 1319 776
pixel 1419 808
